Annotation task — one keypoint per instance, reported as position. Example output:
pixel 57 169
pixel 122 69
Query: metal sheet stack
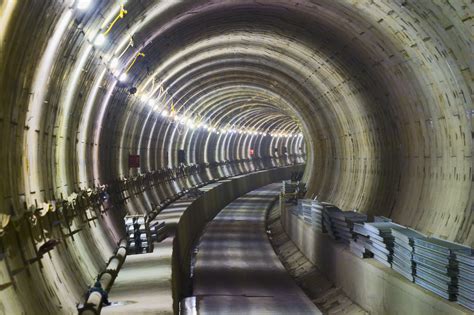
pixel 311 211
pixel 306 210
pixel 380 235
pixel 402 260
pixel 329 212
pixel 466 278
pixel 317 216
pixel 158 231
pixel 299 208
pixel 138 235
pixel 294 209
pixel 436 266
pixel 381 219
pixel 288 187
pixel 341 223
pixel 360 244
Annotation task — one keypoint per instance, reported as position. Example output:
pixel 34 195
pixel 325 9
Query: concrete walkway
pixel 236 270
pixel 143 285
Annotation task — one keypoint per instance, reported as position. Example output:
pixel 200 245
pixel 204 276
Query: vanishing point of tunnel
pixel 236 157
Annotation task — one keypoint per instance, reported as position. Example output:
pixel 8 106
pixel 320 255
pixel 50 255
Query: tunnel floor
pixel 143 285
pixel 236 270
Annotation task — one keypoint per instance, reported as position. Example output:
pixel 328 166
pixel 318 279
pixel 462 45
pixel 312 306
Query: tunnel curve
pixel 374 96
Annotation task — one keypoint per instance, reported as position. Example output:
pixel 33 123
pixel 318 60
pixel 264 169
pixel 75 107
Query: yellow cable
pixel 120 15
pixel 134 60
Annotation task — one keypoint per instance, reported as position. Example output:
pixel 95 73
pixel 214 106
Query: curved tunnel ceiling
pixel 380 90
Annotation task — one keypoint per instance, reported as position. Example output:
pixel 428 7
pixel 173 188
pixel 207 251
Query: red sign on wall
pixel 133 161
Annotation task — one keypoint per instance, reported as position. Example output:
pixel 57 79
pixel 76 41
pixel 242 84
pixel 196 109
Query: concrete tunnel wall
pixel 375 95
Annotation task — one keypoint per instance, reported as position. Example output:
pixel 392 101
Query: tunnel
pixel 113 109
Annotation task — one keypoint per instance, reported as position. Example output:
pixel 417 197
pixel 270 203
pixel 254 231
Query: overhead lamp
pixel 190 122
pixel 99 40
pixel 83 4
pixel 114 63
pixel 151 102
pixel 123 77
pixel 164 113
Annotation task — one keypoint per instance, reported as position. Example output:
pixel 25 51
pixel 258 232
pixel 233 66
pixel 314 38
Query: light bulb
pixel 83 4
pixel 164 113
pixel 99 40
pixel 114 63
pixel 123 77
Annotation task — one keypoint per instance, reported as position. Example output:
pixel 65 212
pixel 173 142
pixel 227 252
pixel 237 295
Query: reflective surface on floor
pixel 143 285
pixel 236 270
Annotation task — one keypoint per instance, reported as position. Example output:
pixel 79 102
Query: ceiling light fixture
pixel 83 4
pixel 123 77
pixel 99 40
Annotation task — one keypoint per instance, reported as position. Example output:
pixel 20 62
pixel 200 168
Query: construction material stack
pixel 289 187
pixel 330 213
pixel 466 278
pixel 360 243
pixel 138 234
pixel 404 240
pixel 317 216
pixel 381 239
pixel 436 266
pixel 306 210
pixel 340 223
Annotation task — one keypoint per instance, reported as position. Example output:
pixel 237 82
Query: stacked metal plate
pixel 294 209
pixel 351 218
pixel 402 259
pixel 317 216
pixel 288 187
pixel 466 278
pixel 299 208
pixel 436 265
pixel 329 212
pixel 306 209
pixel 381 219
pixel 342 223
pixel 360 243
pixel 380 235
